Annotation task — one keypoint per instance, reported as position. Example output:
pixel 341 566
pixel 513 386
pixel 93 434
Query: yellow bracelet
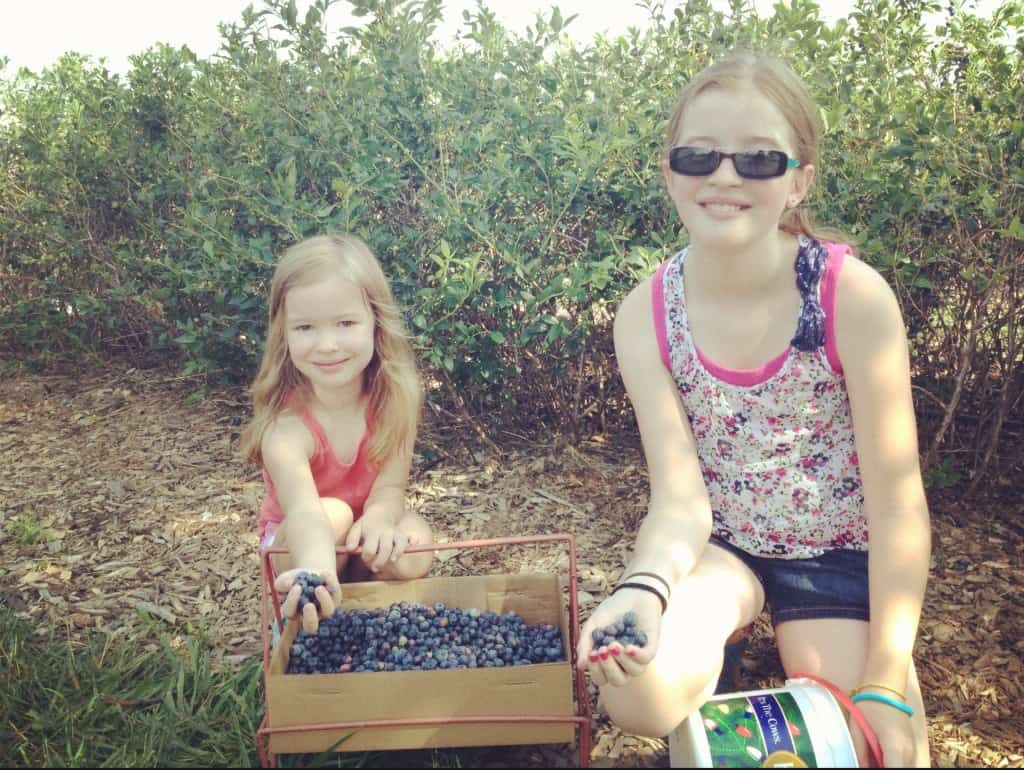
pixel 863 687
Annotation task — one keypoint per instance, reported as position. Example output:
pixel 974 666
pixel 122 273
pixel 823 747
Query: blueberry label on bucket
pixel 757 731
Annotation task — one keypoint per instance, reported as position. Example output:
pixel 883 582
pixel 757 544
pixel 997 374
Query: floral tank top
pixel 776 443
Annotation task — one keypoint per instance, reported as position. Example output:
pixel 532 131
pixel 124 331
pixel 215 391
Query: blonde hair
pixel 780 85
pixel 390 380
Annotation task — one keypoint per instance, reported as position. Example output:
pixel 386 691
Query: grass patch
pixel 26 530
pixel 106 703
pixel 118 703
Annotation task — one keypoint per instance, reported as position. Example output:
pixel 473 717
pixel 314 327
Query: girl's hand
pixel 377 540
pixel 616 664
pixel 328 595
pixel 894 731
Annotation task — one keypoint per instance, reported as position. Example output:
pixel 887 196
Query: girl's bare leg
pixel 837 649
pixel 719 596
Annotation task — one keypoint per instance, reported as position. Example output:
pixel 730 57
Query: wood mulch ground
pixel 147 511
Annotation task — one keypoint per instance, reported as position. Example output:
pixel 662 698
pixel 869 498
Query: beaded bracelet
pixel 887 700
pixel 869 685
pixel 649 589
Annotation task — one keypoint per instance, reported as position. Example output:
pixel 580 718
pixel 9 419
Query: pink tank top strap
pixel 319 437
pixel 658 302
pixel 829 282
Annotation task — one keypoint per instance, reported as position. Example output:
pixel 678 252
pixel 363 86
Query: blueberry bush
pixel 511 185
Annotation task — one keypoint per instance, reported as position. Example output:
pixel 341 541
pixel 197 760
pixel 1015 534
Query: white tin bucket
pixel 798 725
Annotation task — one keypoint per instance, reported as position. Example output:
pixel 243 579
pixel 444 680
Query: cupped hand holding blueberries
pixel 313 595
pixel 620 638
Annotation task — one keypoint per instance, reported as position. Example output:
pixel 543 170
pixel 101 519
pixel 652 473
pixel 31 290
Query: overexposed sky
pixel 33 33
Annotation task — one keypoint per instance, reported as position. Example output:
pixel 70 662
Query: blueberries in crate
pixel 414 637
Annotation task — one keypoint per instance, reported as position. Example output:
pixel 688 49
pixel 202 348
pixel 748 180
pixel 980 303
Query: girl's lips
pixel 332 364
pixel 734 204
pixel 723 208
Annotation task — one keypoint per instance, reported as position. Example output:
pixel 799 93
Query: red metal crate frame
pixel 582 718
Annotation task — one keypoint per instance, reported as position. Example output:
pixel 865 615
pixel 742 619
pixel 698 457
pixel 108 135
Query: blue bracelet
pixel 889 701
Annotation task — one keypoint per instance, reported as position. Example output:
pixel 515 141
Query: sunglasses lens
pixel 697 161
pixel 763 164
pixel 693 161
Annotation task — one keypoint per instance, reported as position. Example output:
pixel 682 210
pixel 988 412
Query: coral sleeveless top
pixel 775 443
pixel 350 482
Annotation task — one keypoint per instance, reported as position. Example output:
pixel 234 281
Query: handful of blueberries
pixel 625 632
pixel 414 637
pixel 309 583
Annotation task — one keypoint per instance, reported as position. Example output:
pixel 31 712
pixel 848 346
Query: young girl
pixel 336 405
pixel 769 373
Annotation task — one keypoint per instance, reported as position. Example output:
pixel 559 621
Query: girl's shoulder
pixel 288 433
pixel 860 286
pixel 636 331
pixel 635 308
pixel 867 312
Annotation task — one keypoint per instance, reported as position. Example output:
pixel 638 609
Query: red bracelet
pixel 870 739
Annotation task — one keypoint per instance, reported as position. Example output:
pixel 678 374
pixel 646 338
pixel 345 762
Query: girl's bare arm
pixel 678 521
pixel 387 497
pixel 872 346
pixel 287 447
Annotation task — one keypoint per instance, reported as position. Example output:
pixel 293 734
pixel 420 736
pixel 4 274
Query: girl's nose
pixel 726 173
pixel 327 340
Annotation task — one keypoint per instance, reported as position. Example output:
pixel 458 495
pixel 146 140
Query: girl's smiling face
pixel 329 330
pixel 723 209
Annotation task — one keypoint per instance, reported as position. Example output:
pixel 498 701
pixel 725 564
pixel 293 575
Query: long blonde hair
pixel 390 380
pixel 777 81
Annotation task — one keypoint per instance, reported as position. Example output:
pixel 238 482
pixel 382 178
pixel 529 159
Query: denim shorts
pixel 833 585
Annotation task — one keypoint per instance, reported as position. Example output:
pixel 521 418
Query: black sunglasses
pixel 759 164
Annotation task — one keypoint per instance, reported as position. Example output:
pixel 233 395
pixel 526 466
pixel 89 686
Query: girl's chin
pixel 729 239
pixel 731 234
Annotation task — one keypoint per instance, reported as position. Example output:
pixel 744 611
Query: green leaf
pixel 1014 230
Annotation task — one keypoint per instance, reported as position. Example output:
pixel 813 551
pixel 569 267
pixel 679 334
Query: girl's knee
pixel 340 514
pixel 414 565
pixel 651 717
pixel 416 528
pixel 654 705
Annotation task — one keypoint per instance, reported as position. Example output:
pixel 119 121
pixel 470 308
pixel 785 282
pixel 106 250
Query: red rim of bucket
pixel 874 747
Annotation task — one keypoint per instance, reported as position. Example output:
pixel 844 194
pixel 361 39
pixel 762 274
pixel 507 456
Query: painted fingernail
pixel 631 653
pixel 594 657
pixel 616 651
pixel 604 656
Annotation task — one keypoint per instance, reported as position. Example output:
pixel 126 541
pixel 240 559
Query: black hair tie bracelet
pixel 649 589
pixel 656 576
